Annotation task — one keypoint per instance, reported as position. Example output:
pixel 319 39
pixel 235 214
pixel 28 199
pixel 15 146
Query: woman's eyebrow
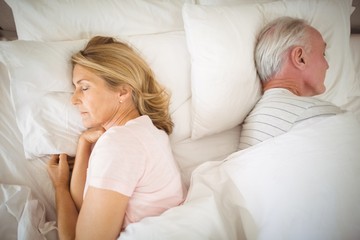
pixel 78 82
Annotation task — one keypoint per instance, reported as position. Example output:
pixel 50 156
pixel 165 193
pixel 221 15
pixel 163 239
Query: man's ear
pixel 298 57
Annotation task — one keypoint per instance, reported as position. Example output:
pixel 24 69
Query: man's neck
pixel 289 84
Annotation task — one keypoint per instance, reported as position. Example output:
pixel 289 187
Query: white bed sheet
pixel 28 179
pixel 22 216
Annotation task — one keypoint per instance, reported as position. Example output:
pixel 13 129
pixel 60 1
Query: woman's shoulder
pixel 141 127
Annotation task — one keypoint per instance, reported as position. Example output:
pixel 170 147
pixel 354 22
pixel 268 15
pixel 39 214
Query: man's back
pixel 277 112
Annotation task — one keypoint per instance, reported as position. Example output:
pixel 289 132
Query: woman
pixel 130 172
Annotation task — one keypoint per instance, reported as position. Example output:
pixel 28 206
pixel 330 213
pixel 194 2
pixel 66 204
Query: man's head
pixel 292 50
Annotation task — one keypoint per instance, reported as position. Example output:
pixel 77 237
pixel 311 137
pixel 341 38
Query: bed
pixel 301 185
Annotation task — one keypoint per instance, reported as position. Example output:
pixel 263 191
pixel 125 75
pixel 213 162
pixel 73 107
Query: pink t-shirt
pixel 136 160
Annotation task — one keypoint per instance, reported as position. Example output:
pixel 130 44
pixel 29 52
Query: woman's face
pixel 97 103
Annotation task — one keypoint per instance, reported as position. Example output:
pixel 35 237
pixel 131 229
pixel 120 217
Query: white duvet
pixel 301 185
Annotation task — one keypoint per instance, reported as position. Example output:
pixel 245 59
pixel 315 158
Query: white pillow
pixel 221 42
pixel 41 87
pixel 230 2
pixel 79 19
pixel 355 50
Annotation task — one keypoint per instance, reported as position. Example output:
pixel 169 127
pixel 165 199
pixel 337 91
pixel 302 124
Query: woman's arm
pixel 102 212
pixel 78 177
pixel 67 214
pixel 77 184
pixel 101 215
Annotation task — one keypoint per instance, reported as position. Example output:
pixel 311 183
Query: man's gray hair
pixel 275 40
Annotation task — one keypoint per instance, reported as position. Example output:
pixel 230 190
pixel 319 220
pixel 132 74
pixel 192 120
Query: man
pixel 290 60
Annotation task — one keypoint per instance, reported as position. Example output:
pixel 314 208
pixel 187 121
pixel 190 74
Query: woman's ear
pixel 125 92
pixel 298 57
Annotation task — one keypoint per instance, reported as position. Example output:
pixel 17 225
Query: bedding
pixel 19 211
pixel 85 18
pixel 274 190
pixel 300 185
pixel 218 58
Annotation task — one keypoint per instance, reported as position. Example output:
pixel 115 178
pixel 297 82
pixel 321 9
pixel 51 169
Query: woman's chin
pixel 88 124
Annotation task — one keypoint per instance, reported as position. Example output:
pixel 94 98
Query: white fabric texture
pixel 300 185
pixel 14 168
pixel 355 46
pixel 22 216
pixel 353 103
pixel 277 112
pixel 230 2
pixel 221 42
pixel 60 20
pixel 41 87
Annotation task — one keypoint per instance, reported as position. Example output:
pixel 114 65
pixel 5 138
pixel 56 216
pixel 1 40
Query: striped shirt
pixel 277 112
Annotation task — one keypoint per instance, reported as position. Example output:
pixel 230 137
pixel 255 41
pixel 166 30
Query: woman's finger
pixel 54 160
pixel 63 157
pixel 63 160
pixel 59 170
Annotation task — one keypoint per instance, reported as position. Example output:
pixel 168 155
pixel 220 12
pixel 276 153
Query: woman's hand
pixel 93 134
pixel 58 169
pixel 67 214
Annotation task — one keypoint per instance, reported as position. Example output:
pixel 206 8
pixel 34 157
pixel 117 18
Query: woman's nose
pixel 75 98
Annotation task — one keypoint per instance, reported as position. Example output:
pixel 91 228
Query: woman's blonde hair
pixel 117 63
